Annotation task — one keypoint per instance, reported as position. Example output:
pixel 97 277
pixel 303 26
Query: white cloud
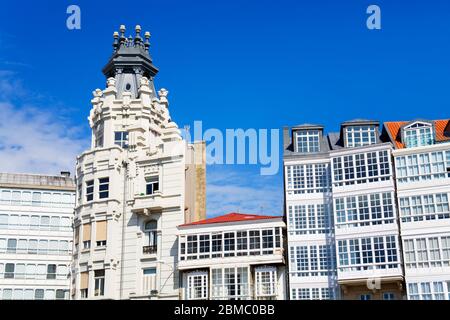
pixel 34 139
pixel 240 189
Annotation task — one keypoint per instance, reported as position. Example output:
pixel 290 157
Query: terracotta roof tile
pixel 231 217
pixel 442 128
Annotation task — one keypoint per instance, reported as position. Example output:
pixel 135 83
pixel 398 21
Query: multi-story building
pixel 365 214
pixel 422 162
pixel 36 214
pixel 309 208
pixel 232 257
pixel 340 192
pixel 135 185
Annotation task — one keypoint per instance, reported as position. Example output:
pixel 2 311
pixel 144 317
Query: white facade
pixel 309 210
pixel 365 218
pixel 36 214
pixel 239 257
pixel 343 232
pixel 423 191
pixel 131 186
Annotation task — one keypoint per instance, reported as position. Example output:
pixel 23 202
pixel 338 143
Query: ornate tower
pixel 134 185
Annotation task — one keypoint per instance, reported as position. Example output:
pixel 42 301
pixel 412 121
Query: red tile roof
pixel 231 217
pixel 442 128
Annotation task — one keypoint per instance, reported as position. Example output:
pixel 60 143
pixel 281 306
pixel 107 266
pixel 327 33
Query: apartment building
pixel 232 257
pixel 422 164
pixel 135 185
pixel 36 214
pixel 367 239
pixel 309 209
pixel 350 173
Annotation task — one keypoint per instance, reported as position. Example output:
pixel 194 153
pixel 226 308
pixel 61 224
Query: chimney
pixel 65 174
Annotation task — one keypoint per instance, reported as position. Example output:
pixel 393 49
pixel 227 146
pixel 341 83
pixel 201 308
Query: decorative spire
pixel 130 56
pixel 147 38
pixel 122 35
pixel 137 37
pixel 136 42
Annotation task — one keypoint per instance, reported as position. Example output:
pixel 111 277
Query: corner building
pixel 135 185
pixel 422 161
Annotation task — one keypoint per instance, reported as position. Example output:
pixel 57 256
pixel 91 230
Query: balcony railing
pixel 149 249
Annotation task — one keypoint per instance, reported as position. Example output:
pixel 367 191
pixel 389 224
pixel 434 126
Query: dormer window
pixel 418 134
pixel 307 140
pixel 358 136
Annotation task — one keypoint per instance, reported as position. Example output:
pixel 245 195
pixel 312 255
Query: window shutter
pixel 86 232
pixel 101 230
pixel 84 280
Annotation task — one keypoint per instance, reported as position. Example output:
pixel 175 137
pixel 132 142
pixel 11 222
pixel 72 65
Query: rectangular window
pixel 267 238
pixel 103 188
pixel 388 296
pixel 101 233
pixel 229 244
pixel 99 280
pixel 192 246
pixel 12 246
pixel 254 242
pixel 357 136
pixel 84 284
pixel 204 246
pixel 241 242
pixel 9 271
pixel 51 271
pixel 197 286
pixel 151 184
pixel 308 141
pixel 217 245
pixel 265 283
pixel 98 132
pixel 90 190
pixel 86 236
pixel 121 139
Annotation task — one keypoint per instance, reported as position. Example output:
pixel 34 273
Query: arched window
pixel 151 237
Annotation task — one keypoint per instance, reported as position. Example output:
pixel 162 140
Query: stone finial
pixel 137 38
pixel 163 95
pixel 116 40
pixel 143 81
pixel 97 93
pixel 122 34
pixel 147 40
pixel 111 82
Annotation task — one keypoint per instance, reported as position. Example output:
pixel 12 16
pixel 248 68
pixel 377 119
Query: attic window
pixel 307 141
pixel 128 87
pixel 358 136
pixel 418 134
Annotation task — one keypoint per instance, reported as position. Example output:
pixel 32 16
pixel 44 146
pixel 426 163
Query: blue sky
pixel 231 64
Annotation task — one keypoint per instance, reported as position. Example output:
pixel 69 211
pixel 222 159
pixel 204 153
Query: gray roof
pixel 307 126
pixel 359 121
pixel 334 139
pixel 36 181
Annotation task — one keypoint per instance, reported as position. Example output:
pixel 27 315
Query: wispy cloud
pixel 242 189
pixel 34 138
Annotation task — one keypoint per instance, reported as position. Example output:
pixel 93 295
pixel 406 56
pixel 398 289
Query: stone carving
pixel 163 95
